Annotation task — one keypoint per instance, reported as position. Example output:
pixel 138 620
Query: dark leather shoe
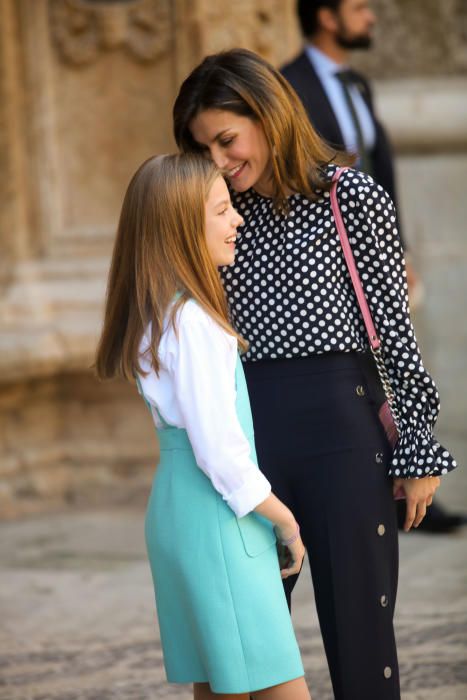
pixel 436 520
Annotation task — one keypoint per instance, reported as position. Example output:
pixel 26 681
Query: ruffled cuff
pixel 418 454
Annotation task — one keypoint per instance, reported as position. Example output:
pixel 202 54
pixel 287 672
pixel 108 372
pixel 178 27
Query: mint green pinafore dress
pixel 221 606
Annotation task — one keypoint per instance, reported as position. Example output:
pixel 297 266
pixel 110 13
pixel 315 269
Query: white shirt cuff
pixel 253 492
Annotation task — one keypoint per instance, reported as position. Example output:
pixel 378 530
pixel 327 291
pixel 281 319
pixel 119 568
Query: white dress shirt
pixel 326 70
pixel 195 390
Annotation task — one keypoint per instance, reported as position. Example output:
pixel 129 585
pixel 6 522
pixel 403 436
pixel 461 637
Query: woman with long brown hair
pixel 212 523
pixel 313 392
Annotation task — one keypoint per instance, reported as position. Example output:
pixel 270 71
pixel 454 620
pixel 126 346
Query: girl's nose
pixel 238 219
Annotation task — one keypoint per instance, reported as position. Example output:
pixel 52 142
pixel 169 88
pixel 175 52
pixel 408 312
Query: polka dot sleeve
pixel 370 220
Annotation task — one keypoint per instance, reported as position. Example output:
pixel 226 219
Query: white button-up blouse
pixel 195 390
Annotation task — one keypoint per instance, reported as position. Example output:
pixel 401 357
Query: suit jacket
pixel 306 83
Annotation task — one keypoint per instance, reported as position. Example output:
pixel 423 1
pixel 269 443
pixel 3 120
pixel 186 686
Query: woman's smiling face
pixel 238 147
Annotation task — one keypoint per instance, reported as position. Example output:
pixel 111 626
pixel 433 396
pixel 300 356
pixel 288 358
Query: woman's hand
pixel 290 556
pixel 419 495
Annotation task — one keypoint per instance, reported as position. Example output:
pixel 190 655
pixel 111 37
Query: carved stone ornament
pixel 82 29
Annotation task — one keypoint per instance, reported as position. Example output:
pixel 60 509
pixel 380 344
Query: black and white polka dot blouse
pixel 290 295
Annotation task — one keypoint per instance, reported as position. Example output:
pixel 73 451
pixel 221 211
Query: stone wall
pixel 86 90
pixel 418 38
pixel 67 440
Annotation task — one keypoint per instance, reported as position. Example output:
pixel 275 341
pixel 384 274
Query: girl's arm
pixel 201 359
pixel 202 362
pixel 282 517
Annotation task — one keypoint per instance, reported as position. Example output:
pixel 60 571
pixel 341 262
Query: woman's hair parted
pixel 242 82
pixel 160 249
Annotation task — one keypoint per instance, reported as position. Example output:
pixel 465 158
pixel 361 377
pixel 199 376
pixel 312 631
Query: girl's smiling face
pixel 222 221
pixel 238 147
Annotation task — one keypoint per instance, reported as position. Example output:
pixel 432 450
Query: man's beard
pixel 361 41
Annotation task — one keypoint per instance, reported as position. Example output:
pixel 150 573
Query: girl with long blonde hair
pixel 213 528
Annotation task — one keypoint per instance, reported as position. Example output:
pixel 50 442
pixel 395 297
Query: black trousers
pixel 320 443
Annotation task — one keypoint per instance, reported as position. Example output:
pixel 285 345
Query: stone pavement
pixel 78 621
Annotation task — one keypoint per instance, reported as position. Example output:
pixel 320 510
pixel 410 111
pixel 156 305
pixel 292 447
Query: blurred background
pixel 86 91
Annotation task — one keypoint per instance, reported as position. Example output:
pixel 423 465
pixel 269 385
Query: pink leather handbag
pixel 388 412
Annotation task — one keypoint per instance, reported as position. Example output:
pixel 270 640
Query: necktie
pixel 346 79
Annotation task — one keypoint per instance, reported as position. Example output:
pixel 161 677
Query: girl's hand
pixel 419 495
pixel 286 529
pixel 290 556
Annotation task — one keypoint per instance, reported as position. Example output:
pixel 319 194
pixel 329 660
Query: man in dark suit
pixel 338 100
pixel 340 106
